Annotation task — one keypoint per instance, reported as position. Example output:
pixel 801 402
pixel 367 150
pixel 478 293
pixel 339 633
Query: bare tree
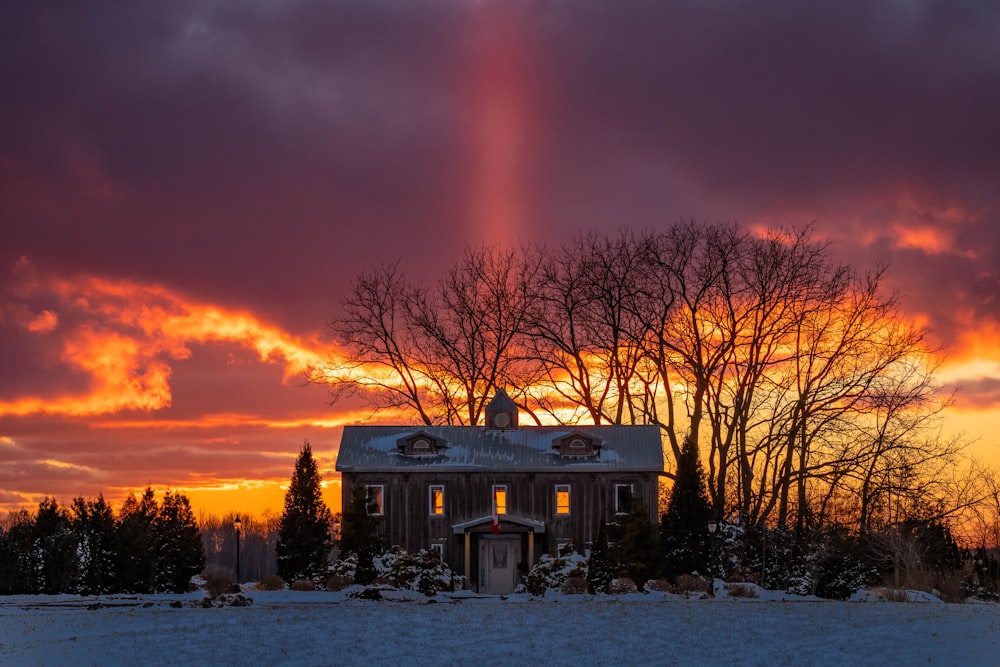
pixel 440 351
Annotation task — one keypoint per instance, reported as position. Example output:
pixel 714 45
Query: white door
pixel 498 566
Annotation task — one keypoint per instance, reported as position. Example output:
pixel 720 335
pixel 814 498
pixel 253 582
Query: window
pixel 376 498
pixel 623 498
pixel 437 500
pixel 578 444
pixel 439 548
pixel 421 446
pixel 500 498
pixel 562 498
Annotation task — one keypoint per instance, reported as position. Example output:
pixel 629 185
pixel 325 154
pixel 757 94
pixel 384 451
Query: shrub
pixel 303 585
pixel 950 587
pixel 423 571
pixel 574 586
pixel 622 585
pixel 741 590
pixel 218 582
pixel 337 582
pixel 692 583
pixel 553 571
pixel 659 586
pixel 271 582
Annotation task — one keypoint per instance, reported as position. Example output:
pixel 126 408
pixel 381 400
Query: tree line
pixel 798 379
pixel 85 548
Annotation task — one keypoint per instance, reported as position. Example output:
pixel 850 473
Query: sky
pixel 188 188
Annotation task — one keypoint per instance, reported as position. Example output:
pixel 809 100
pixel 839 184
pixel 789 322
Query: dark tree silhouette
pixel 601 570
pixel 177 543
pixel 360 535
pixel 134 543
pixel 684 536
pixel 304 540
pixel 53 549
pixel 93 523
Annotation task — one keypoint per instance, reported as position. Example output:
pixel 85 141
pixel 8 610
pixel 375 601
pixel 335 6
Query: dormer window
pixel 577 445
pixel 420 445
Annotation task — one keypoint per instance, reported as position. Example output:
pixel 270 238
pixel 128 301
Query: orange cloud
pixel 44 323
pixel 125 337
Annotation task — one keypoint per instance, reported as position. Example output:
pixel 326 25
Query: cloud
pixel 978 394
pixel 197 183
pixel 125 337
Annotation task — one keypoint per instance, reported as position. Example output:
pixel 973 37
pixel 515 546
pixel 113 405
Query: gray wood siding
pixel 407 520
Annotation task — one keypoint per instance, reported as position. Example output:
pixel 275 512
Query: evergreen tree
pixel 684 536
pixel 134 543
pixel 177 544
pixel 94 526
pixel 16 555
pixel 358 535
pixel 636 548
pixel 600 570
pixel 54 554
pixel 304 532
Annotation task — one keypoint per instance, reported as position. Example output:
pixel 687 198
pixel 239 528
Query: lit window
pixel 562 498
pixel 376 497
pixel 500 498
pixel 437 500
pixel 623 498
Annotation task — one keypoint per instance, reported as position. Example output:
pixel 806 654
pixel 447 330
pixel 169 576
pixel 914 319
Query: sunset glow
pixel 185 207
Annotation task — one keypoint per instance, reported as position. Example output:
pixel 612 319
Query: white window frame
pixel 493 499
pixel 569 497
pixel 380 511
pixel 438 547
pixel 430 499
pixel 618 487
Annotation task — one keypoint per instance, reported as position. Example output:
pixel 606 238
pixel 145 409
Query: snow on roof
pixel 529 448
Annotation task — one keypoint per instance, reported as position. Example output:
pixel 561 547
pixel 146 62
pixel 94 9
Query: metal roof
pixel 526 449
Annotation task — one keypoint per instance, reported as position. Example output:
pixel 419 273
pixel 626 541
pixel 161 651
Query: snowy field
pixel 295 628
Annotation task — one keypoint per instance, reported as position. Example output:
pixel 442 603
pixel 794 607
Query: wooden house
pixel 493 498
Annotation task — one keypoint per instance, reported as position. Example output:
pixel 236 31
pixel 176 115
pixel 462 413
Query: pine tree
pixel 359 535
pixel 304 531
pixel 177 544
pixel 637 549
pixel 54 550
pixel 134 543
pixel 15 554
pixel 600 570
pixel 684 536
pixel 93 524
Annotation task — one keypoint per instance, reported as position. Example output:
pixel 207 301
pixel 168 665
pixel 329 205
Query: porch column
pixel 531 549
pixel 468 557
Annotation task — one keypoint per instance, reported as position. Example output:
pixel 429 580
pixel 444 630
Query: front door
pixel 498 565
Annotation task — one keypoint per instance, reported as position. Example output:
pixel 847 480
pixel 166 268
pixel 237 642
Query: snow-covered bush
pixel 423 571
pixel 622 586
pixel 658 586
pixel 574 586
pixel 553 571
pixel 270 582
pixel 690 583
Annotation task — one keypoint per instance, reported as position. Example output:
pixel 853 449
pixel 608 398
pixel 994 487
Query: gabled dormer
pixel 501 413
pixel 577 445
pixel 420 445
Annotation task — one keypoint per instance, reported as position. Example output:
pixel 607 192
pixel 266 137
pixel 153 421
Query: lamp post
pixel 712 527
pixel 237 524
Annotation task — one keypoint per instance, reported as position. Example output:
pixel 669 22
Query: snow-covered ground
pixel 296 628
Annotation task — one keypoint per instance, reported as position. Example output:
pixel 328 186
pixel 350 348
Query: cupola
pixel 501 413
